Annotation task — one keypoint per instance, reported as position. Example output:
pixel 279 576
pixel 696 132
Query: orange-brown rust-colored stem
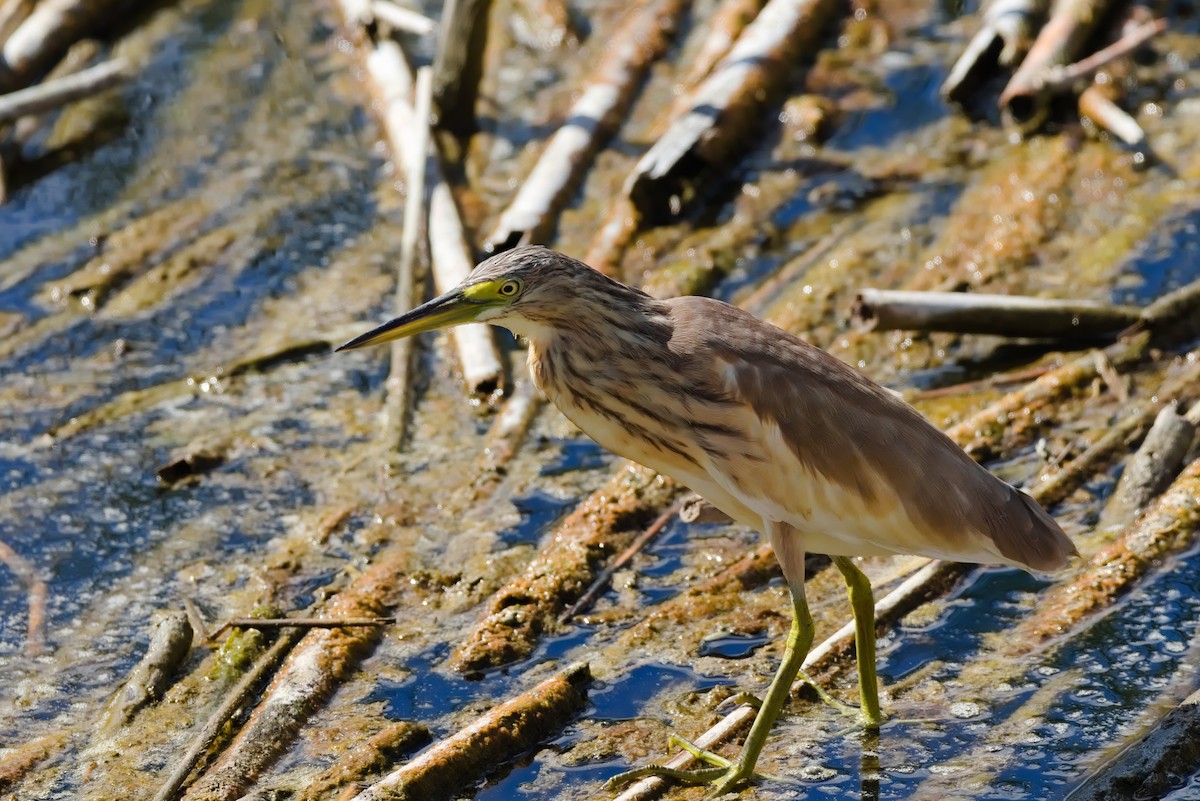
pixel 496 737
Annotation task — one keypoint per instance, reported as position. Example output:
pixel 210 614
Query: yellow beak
pixel 453 308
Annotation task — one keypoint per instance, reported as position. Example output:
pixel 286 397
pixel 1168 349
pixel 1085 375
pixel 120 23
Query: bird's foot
pixel 738 699
pixel 724 775
pixel 859 713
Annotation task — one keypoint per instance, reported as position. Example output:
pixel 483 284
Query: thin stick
pixel 970 387
pixel 402 19
pixel 1061 77
pixel 22 568
pixel 598 586
pixel 61 91
pixel 1151 468
pixel 399 385
pixel 299 622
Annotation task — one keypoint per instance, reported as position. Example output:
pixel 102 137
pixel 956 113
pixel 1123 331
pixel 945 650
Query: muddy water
pixel 175 290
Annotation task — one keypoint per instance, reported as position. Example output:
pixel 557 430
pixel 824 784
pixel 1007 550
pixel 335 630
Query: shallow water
pixel 254 213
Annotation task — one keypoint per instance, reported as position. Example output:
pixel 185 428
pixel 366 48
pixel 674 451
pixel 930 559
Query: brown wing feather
pixel 854 433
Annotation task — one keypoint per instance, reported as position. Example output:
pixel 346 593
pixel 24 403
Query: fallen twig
pixel 601 582
pixel 402 19
pixel 12 14
pixel 450 254
pixel 42 37
pixel 169 646
pixel 216 722
pixel 502 733
pixel 1063 76
pixel 641 38
pixel 23 569
pixel 980 432
pixel 399 383
pixel 508 429
pixel 1174 317
pixel 299 622
pixel 61 91
pixel 978 313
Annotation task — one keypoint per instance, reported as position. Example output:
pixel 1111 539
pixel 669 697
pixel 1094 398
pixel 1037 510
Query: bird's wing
pixel 845 457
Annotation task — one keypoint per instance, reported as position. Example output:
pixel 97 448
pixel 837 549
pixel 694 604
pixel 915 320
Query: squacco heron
pixel 774 432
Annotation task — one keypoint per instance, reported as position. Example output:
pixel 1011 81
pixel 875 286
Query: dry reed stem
pixel 641 39
pixel 981 313
pixel 61 91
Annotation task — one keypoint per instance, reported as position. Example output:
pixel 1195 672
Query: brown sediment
pixel 365 761
pixel 23 758
pixel 312 670
pixel 573 553
pixel 499 735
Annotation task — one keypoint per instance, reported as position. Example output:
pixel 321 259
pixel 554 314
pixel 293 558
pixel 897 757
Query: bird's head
pixel 520 289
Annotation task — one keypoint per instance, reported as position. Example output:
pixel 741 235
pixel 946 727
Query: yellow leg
pixel 726 777
pixel 862 601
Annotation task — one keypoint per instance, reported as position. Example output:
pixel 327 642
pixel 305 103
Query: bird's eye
pixel 509 288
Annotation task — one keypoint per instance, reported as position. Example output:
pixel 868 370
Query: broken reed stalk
pixel 12 14
pixel 1174 317
pixel 1154 766
pixel 402 19
pixel 724 27
pixel 1149 471
pixel 311 672
pixel 641 38
pixel 502 733
pixel 36 594
pixel 1025 99
pixel 1095 105
pixel 458 63
pixel 601 582
pixel 43 37
pixel 61 91
pixel 169 646
pixel 508 429
pixel 399 381
pixel 1012 22
pixel 726 105
pixel 450 254
pixel 1167 525
pixel 979 313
